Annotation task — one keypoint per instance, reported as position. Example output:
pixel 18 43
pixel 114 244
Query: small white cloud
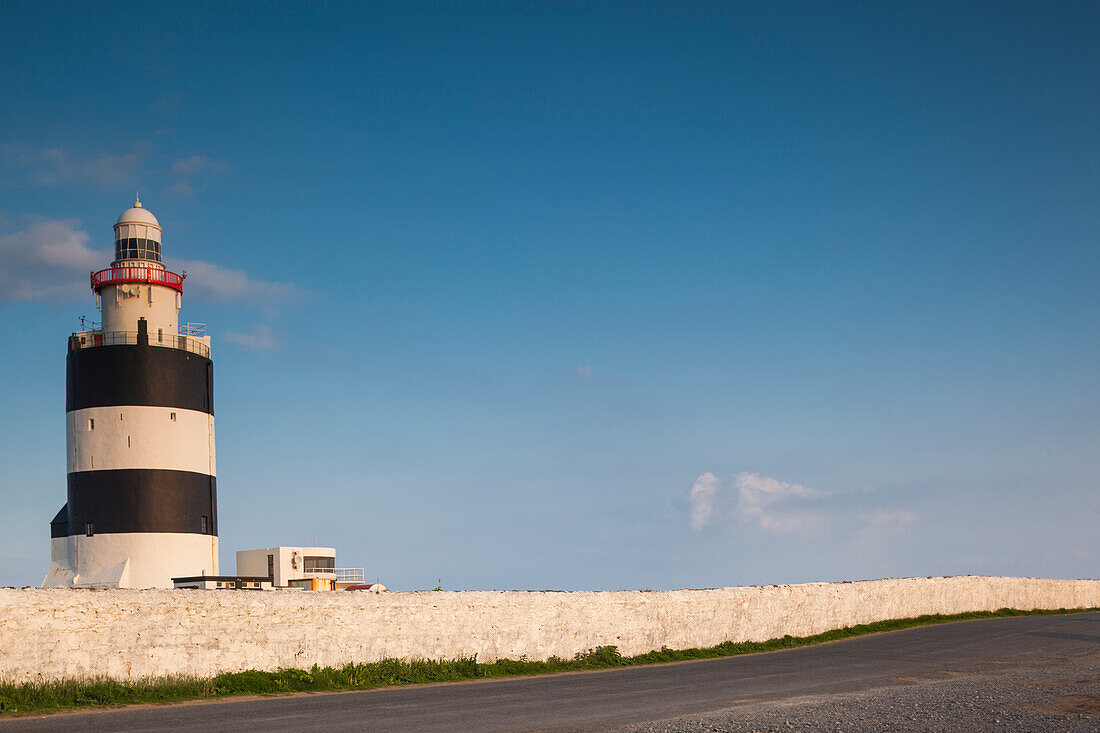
pixel 197 165
pixel 584 372
pixel 260 337
pixel 701 500
pixel 774 504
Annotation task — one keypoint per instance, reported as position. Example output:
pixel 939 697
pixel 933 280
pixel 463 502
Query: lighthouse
pixel 139 399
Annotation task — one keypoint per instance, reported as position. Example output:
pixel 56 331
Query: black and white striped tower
pixel 142 506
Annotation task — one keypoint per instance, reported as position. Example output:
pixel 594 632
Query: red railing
pixel 114 275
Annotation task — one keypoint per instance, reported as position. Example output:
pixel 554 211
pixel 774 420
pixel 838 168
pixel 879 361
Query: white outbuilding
pixel 311 568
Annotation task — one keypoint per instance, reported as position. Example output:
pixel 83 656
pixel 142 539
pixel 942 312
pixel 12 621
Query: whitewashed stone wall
pixel 63 633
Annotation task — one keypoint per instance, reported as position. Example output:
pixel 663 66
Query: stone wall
pixel 61 633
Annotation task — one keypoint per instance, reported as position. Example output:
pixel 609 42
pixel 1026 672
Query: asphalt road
pixel 635 696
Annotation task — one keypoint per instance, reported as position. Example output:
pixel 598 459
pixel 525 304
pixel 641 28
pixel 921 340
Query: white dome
pixel 137 215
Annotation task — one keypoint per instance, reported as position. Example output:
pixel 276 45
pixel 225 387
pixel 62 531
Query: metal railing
pixel 89 339
pixel 154 275
pixel 343 575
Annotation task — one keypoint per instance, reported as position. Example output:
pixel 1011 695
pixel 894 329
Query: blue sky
pixel 613 295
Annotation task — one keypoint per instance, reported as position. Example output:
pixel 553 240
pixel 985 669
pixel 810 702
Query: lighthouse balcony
pixel 136 274
pixel 187 341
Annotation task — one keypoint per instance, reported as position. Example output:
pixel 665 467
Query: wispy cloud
pixel 182 189
pixel 50 166
pixel 779 507
pixel 214 282
pixel 197 165
pixel 22 164
pixel 260 337
pixel 192 171
pixel 49 259
pixel 584 372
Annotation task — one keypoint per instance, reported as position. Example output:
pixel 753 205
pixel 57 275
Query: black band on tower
pixel 142 500
pixel 152 376
pixel 59 526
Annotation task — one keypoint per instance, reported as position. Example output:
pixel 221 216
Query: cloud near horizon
pixel 773 505
pixel 777 507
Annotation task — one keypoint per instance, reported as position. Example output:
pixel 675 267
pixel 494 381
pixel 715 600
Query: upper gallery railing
pixel 88 339
pixel 135 274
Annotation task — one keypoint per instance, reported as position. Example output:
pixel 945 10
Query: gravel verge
pixel 1063 695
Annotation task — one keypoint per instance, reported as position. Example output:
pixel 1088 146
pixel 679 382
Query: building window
pixel 317 564
pixel 172 417
pixel 271 566
pixel 89 530
pixel 160 331
pixel 91 423
pixel 205 525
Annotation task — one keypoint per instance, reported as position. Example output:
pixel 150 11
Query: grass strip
pixel 102 692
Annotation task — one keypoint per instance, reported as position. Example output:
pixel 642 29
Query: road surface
pixel 911 661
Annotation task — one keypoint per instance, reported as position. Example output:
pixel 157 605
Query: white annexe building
pixel 310 568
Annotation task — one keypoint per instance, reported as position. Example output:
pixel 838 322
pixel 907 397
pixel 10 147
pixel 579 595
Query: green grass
pixel 46 696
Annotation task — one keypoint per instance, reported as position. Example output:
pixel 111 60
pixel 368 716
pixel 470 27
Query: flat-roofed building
pixel 298 567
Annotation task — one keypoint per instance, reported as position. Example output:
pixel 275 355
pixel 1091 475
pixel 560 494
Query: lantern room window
pixel 136 248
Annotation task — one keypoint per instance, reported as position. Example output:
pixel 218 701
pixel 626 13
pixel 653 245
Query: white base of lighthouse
pixel 105 561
